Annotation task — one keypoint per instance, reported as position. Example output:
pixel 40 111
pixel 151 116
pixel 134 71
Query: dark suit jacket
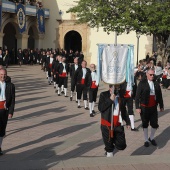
pixel 79 74
pixel 10 96
pixel 143 94
pixel 60 68
pixel 105 107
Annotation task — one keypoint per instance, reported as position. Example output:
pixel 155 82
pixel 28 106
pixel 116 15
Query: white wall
pixel 95 37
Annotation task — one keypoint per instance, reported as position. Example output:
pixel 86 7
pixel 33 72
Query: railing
pixel 10 7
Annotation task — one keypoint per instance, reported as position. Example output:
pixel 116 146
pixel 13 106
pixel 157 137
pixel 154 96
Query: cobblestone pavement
pixel 50 132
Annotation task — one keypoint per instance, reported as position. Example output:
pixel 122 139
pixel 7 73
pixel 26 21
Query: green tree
pixel 143 16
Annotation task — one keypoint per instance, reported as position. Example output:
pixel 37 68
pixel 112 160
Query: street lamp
pixel 138 36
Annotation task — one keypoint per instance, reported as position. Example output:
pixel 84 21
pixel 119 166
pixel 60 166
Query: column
pixel 39 41
pixel 22 41
pixel 1 39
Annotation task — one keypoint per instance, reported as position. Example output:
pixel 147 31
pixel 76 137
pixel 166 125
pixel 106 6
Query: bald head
pixel 3 74
pixel 76 60
pixel 92 67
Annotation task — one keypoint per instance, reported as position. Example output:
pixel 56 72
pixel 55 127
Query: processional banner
pixel 115 63
pixel 21 17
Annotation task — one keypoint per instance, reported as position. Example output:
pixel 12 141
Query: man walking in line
pixel 7 103
pixel 148 96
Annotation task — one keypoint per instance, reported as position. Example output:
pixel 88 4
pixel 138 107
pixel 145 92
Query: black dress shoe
pixel 54 87
pixel 76 101
pixel 91 115
pixel 86 108
pixel 62 92
pixel 66 96
pixel 71 98
pixel 153 142
pixel 146 144
pixel 79 107
pixel 59 95
pixel 93 111
pixel 135 130
pixel 56 91
pixel 1 153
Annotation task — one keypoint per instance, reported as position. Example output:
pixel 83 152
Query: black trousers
pixel 49 72
pixel 81 89
pixel 63 81
pixel 165 82
pixel 57 78
pixel 93 95
pixel 129 103
pixel 117 141
pixel 72 85
pixel 149 115
pixel 3 122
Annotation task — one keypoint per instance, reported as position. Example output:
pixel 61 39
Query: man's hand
pixel 10 116
pixel 51 73
pixel 138 111
pixel 54 76
pixel 162 109
pixel 112 97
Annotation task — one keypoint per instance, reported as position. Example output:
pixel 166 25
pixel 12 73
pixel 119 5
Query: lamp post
pixel 138 36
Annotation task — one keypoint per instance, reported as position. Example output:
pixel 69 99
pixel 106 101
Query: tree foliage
pixel 143 16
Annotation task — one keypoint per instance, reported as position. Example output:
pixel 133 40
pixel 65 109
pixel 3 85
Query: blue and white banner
pixel 21 17
pixel 115 63
pixel 0 14
pixel 41 20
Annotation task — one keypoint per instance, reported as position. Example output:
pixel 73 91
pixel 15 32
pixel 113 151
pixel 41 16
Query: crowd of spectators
pixel 162 72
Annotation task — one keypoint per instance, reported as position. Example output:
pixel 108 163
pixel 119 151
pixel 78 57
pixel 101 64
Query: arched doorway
pixel 73 41
pixel 10 42
pixel 31 40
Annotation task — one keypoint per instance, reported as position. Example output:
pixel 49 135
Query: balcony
pixel 30 10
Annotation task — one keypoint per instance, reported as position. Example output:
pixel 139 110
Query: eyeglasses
pixel 151 74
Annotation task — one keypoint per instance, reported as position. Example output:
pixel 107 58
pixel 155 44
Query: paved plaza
pixel 50 132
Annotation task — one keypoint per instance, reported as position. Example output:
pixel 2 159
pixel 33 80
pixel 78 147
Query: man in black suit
pixel 7 103
pixel 62 70
pixel 112 136
pixel 49 62
pixel 92 85
pixel 126 95
pixel 79 78
pixel 148 96
pixel 73 68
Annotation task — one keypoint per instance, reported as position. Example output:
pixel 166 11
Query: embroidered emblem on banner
pixel 41 20
pixel 21 18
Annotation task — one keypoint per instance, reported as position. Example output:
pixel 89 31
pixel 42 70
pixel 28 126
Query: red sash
pixel 127 95
pixel 64 74
pixel 50 65
pixel 105 122
pixel 82 81
pixel 93 86
pixel 2 104
pixel 116 121
pixel 152 102
pixel 164 76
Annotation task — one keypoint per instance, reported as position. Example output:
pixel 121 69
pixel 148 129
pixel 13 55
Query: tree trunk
pixel 162 49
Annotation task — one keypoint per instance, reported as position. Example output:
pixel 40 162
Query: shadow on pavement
pixel 161 140
pixel 54 120
pixel 59 133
